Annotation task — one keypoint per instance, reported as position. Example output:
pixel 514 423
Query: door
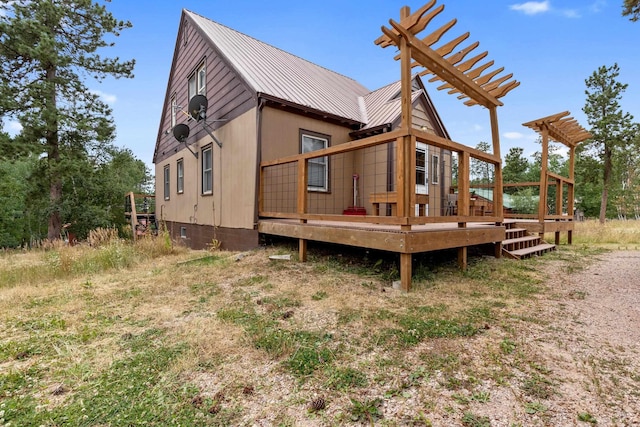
pixel 422 173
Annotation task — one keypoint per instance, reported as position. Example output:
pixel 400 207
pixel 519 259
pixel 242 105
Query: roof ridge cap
pixel 364 116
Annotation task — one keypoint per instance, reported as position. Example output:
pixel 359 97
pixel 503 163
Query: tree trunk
pixel 608 165
pixel 53 152
pixel 55 221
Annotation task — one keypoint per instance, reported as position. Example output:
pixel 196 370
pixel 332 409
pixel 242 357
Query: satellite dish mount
pixel 198 111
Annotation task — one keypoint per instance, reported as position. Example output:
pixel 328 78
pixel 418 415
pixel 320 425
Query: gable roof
pixel 383 106
pixel 272 71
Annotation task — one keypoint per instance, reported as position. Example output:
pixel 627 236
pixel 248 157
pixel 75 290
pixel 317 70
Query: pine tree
pixel 631 8
pixel 48 49
pixel 611 127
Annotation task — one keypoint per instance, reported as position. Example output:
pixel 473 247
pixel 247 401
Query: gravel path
pixel 592 341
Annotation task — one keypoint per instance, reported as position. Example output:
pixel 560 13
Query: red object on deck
pixel 354 210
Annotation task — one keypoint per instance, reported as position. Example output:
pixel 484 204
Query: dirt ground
pixel 591 342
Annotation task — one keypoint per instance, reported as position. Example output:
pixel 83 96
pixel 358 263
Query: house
pixel 254 140
pixel 264 104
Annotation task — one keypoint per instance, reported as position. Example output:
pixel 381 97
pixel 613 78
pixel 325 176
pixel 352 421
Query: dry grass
pixel 615 234
pixel 216 339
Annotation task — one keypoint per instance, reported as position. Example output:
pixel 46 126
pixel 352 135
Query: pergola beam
pixel 460 77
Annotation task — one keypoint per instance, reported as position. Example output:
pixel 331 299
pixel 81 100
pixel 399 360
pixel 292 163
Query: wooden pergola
pixel 566 130
pixel 463 73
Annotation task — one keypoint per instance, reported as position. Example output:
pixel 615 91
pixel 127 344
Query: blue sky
pixel 551 47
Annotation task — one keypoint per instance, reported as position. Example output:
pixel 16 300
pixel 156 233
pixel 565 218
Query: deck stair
pixel 520 244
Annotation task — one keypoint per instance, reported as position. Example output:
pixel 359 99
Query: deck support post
pixel 462 258
pixel 405 272
pixel 302 250
pixel 497 250
pixel 569 237
pixel 557 238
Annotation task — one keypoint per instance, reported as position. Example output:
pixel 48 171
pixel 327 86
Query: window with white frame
pixel 318 167
pixel 174 110
pixel 198 81
pixel 180 176
pixel 207 170
pixel 167 182
pixel 421 168
pixel 435 169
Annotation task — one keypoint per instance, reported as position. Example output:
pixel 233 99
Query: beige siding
pixel 281 138
pixel 232 203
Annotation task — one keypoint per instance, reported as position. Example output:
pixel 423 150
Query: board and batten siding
pixel 228 95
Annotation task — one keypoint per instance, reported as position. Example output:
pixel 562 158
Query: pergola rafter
pixel 563 129
pixel 461 76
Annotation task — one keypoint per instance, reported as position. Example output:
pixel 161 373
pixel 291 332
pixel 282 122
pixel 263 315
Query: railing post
pixel 464 170
pixel 544 179
pixel 498 189
pixel 302 204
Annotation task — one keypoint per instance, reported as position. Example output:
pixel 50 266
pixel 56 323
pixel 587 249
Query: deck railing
pixel 382 169
pixel 555 198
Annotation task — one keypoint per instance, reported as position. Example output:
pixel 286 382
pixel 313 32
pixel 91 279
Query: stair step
pixel 520 232
pixel 520 243
pixel 522 239
pixel 534 250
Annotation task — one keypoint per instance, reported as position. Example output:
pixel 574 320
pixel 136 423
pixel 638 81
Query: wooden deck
pixel 421 238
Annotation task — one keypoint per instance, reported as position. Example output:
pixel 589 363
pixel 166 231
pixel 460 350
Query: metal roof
pixel 282 75
pixel 383 106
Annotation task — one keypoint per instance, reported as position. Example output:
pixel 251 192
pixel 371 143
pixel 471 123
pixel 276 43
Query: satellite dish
pixel 198 107
pixel 181 132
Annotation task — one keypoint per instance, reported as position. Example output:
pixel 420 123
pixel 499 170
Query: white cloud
pixel 513 135
pixel 532 7
pixel 571 13
pixel 106 97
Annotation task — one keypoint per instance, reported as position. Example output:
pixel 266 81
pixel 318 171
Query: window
pixel 207 170
pixel 435 169
pixel 317 168
pixel 198 82
pixel 421 168
pixel 174 110
pixel 167 182
pixel 180 173
pixel 183 232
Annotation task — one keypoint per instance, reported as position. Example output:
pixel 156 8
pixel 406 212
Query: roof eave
pixel 344 121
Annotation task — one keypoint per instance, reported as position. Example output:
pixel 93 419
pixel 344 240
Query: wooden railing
pixel 561 207
pixel 384 163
